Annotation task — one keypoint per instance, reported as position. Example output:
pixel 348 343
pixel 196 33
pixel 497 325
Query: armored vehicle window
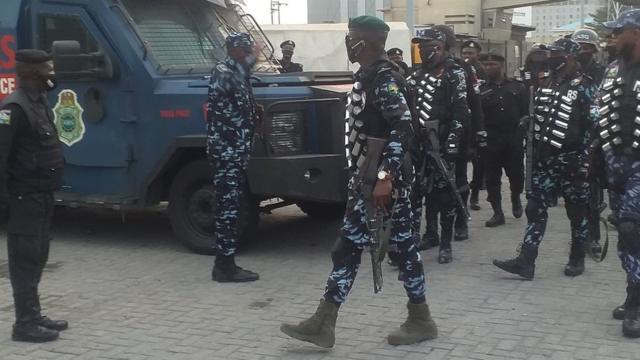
pixel 182 35
pixel 57 28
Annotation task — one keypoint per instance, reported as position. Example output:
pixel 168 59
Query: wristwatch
pixel 383 175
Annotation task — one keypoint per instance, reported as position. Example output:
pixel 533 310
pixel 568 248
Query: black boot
pixel 226 270
pixel 27 326
pixel 524 264
pixel 618 313
pixel 462 229
pixel 58 325
pixel 516 206
pixel 498 216
pixel 430 239
pixel 631 322
pixel 473 200
pixel 575 266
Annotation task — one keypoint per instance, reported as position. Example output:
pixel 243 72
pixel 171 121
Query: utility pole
pixel 411 22
pixel 275 8
pixel 581 13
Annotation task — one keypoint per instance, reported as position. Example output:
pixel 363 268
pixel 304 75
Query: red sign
pixel 7 65
pixel 175 114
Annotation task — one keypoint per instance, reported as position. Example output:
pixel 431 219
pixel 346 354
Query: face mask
pixel 585 59
pixel 557 63
pixel 50 84
pixel 250 61
pixel 354 51
pixel 428 53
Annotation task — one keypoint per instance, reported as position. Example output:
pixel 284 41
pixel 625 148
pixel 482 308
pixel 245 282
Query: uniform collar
pixel 33 94
pixel 234 65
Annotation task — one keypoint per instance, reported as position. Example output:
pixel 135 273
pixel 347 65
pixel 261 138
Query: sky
pixel 295 12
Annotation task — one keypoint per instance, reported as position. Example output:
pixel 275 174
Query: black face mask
pixel 557 63
pixel 427 54
pixel 585 59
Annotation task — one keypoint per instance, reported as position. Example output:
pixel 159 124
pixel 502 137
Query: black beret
pixel 32 56
pixel 394 51
pixel 492 55
pixel 288 44
pixel 368 23
pixel 471 44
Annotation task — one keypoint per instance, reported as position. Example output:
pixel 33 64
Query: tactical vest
pixel 558 112
pixel 619 114
pixel 37 161
pixel 363 119
pixel 432 93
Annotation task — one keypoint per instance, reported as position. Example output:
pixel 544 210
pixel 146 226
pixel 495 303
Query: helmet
pixel 586 36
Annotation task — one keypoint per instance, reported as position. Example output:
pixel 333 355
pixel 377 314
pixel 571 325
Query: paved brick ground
pixel 130 292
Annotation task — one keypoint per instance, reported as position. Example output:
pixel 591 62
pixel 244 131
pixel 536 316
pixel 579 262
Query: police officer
pixel 619 139
pixel 31 164
pixel 287 66
pixel 470 51
pixel 588 40
pixel 564 120
pixel 231 118
pixel 395 55
pixel 505 104
pixel 439 87
pixel 377 108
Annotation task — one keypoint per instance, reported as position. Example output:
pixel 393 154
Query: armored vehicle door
pixel 93 109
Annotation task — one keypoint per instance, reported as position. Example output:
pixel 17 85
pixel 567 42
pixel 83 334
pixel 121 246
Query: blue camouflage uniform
pixel 565 118
pixel 440 93
pixel 231 111
pixel 619 99
pixel 379 109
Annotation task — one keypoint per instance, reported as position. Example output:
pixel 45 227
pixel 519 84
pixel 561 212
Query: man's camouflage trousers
pixel 229 180
pixel 355 236
pixel 551 178
pixel 623 177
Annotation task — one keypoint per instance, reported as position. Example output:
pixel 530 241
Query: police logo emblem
pixel 68 117
pixel 5 117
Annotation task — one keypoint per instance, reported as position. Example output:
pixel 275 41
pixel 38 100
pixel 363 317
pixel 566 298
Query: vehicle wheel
pixel 324 211
pixel 192 204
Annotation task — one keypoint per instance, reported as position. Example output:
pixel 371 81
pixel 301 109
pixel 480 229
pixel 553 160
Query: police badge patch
pixel 68 117
pixel 5 117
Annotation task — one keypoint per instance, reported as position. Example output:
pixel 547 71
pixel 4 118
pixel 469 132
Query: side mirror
pixel 71 63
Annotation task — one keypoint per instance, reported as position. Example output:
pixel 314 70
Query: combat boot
pixel 474 201
pixel 319 329
pixel 618 313
pixel 462 229
pixel 575 266
pixel 631 322
pixel 430 239
pixel 226 270
pixel 524 264
pixel 516 206
pixel 418 327
pixel 27 326
pixel 498 216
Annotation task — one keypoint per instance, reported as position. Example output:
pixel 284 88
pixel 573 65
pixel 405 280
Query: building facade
pixel 551 20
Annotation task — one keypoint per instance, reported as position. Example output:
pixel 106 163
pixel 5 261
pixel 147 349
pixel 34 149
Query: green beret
pixel 368 23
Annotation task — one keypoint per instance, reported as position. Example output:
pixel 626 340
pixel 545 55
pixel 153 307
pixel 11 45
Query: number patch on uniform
pixel 5 117
pixel 572 94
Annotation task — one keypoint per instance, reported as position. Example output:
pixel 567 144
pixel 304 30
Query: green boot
pixel 419 326
pixel 319 329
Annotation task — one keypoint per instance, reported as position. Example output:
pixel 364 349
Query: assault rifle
pixel 432 151
pixel 378 222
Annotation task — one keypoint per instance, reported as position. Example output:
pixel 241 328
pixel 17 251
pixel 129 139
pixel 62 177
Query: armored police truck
pixel 132 79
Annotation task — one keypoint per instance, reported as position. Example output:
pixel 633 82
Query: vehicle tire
pixel 323 211
pixel 192 203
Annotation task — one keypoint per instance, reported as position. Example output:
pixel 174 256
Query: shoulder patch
pixel 393 88
pixel 5 117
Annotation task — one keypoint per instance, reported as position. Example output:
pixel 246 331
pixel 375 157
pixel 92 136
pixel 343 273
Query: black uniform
pixel 31 164
pixel 504 104
pixel 595 71
pixel 477 178
pixel 291 67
